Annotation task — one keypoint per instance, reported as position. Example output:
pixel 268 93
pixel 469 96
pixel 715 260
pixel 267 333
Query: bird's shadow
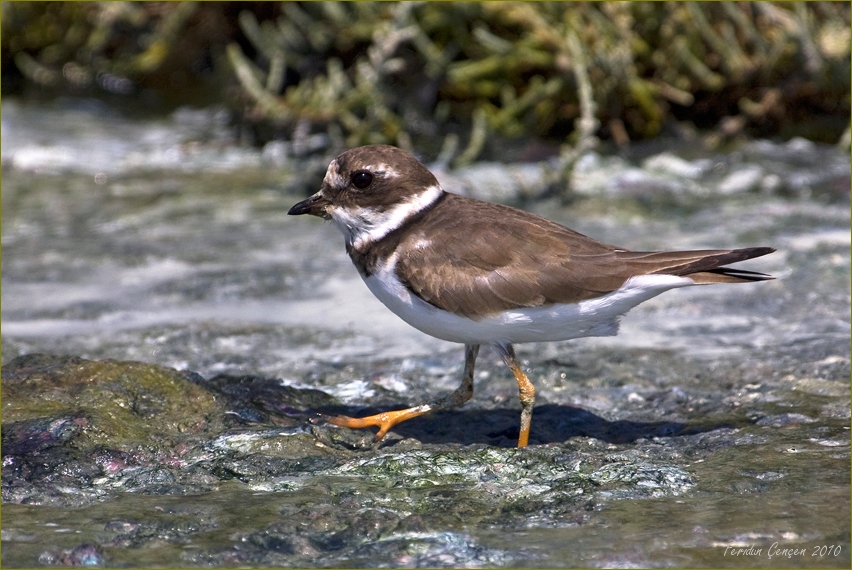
pixel 551 423
pixel 258 400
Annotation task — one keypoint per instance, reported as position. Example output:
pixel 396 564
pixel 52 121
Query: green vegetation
pixel 449 78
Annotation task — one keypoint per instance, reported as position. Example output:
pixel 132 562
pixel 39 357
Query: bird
pixel 478 273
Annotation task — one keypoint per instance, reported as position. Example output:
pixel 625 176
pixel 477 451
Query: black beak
pixel 315 206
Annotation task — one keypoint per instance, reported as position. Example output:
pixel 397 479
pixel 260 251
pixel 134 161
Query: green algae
pixel 127 404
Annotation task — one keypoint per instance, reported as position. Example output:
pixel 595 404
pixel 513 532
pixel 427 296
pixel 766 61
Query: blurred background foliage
pixel 454 80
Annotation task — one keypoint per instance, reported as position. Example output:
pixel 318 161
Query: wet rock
pixel 142 534
pixel 36 435
pixel 128 426
pixel 656 480
pixel 290 493
pixel 88 555
pixel 782 420
pixel 253 399
pixel 128 404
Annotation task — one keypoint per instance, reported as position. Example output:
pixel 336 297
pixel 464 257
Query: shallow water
pixel 166 242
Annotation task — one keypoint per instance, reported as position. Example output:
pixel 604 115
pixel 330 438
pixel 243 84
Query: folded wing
pixel 464 270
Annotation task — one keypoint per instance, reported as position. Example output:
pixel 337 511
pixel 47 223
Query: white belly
pixel 593 317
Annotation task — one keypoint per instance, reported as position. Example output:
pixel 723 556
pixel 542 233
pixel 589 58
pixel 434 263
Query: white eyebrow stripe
pixel 333 177
pixel 386 171
pixel 379 224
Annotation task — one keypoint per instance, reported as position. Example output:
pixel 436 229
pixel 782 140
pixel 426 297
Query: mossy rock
pixel 123 405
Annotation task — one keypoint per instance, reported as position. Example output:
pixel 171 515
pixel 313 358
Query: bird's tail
pixel 703 266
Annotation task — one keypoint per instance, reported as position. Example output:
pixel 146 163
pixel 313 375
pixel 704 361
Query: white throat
pixel 362 226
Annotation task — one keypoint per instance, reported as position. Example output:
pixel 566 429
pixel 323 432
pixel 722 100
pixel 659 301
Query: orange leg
pixel 525 387
pixel 386 420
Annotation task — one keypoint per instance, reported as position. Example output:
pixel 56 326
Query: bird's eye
pixel 362 179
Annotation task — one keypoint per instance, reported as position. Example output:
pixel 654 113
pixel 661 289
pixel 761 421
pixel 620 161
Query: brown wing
pixel 482 258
